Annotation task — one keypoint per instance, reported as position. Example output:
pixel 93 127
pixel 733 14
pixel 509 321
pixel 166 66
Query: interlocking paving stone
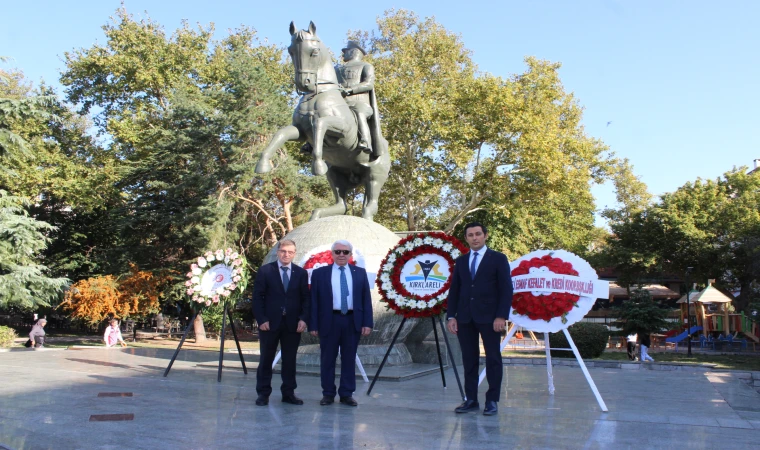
pixel 648 408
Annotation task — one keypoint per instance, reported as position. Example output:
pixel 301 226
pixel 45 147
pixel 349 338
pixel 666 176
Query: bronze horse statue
pixel 323 119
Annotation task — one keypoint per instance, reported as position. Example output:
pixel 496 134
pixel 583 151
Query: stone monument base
pixel 370 355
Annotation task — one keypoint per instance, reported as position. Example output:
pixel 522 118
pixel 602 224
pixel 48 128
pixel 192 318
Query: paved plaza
pixel 118 398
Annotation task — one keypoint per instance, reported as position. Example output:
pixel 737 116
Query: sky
pixel 674 86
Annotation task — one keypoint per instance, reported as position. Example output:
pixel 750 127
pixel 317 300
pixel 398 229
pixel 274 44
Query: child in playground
pixel 112 335
pixel 646 342
pixel 632 338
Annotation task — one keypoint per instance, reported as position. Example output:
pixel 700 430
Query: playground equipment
pixel 683 336
pixel 713 313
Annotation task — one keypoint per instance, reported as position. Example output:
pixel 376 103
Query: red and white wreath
pixel 322 256
pixel 423 290
pixel 553 289
pixel 215 277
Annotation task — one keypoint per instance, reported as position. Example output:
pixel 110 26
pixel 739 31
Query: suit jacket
pixel 269 296
pixel 322 299
pixel 486 297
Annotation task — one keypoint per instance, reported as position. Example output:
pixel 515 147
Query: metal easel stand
pixel 572 348
pixel 226 314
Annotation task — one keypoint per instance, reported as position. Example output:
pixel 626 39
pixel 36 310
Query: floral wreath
pixel 548 310
pixel 544 307
pixel 215 277
pixel 393 292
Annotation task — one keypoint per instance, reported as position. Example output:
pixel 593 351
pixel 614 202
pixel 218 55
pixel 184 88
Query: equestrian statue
pixel 337 118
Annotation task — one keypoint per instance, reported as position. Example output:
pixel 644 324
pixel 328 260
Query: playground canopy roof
pixel 708 295
pixel 658 292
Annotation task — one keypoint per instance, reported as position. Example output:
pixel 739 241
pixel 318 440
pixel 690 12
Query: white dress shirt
pixel 481 252
pixel 336 287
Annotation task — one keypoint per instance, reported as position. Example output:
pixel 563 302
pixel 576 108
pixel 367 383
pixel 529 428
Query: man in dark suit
pixel 478 304
pixel 341 312
pixel 281 307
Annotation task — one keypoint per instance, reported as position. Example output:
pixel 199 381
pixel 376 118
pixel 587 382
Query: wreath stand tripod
pixel 226 314
pixel 572 348
pixel 438 348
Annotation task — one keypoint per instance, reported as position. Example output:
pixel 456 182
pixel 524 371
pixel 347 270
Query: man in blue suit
pixel 478 304
pixel 281 307
pixel 341 312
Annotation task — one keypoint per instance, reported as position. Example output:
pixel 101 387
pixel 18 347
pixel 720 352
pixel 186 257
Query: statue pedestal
pixel 371 243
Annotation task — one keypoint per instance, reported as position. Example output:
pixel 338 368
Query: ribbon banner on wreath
pixel 553 289
pixel 216 278
pixel 415 276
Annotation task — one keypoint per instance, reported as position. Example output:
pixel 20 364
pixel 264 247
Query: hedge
pixel 590 338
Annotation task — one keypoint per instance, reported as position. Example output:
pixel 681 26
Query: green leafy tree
pixel 24 280
pixel 467 144
pixel 186 117
pixel 641 314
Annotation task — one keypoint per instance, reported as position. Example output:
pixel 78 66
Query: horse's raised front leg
pixel 323 125
pixel 340 186
pixel 283 135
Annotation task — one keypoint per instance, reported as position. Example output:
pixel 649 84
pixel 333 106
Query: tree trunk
pixel 200 331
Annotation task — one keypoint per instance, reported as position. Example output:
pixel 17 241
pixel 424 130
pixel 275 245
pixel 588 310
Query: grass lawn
pixel 747 361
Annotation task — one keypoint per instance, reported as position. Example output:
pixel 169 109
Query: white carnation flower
pixel 234 255
pixel 210 257
pixel 202 261
pixel 195 280
pixel 197 271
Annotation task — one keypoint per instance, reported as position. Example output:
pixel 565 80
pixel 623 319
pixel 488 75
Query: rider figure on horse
pixel 357 78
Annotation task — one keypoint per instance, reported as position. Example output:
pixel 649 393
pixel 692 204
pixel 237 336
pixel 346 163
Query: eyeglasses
pixel 287 252
pixel 342 252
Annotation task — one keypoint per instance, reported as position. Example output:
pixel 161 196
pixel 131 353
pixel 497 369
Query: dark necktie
pixel 473 265
pixel 343 290
pixel 285 278
pixel 285 281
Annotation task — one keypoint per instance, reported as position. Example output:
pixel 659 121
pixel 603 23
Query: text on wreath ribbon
pixel 548 282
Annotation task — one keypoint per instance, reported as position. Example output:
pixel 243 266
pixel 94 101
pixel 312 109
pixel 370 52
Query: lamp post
pixel 688 311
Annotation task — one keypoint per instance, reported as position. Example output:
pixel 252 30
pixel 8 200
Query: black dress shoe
pixel 348 401
pixel 467 406
pixel 491 408
pixel 326 400
pixel 292 399
pixel 262 400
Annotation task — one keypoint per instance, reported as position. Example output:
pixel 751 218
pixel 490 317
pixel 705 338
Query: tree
pixel 97 299
pixel 714 226
pixel 710 225
pixel 187 117
pixel 465 142
pixel 642 315
pixel 65 176
pixel 24 280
